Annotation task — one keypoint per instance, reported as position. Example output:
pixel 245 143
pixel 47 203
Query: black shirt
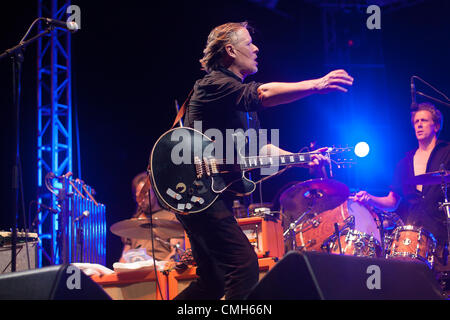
pixel 417 208
pixel 221 101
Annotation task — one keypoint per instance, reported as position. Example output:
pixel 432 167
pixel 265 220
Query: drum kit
pixel 157 231
pixel 161 227
pixel 321 215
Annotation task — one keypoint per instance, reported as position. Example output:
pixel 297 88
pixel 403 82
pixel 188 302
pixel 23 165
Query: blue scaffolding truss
pixel 54 123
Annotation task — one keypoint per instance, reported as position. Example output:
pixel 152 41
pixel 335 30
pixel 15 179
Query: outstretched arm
pixel 276 93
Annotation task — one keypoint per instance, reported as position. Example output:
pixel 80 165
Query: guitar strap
pixel 182 110
pixel 180 115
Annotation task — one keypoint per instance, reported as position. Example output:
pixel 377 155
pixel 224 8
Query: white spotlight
pixel 362 149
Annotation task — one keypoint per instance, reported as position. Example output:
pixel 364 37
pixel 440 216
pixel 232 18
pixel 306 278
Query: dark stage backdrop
pixel 131 60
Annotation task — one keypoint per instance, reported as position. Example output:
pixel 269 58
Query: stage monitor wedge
pixel 61 282
pixel 321 276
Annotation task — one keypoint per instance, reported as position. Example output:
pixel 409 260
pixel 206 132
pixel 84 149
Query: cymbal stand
pixel 292 226
pixel 382 217
pixel 337 234
pixel 445 206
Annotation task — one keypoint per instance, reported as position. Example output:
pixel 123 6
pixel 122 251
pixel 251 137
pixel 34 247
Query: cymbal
pixel 140 228
pixel 435 177
pixel 317 195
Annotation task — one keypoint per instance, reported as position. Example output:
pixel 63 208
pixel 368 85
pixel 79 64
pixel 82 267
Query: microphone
pixel 85 214
pixel 69 25
pixel 41 205
pixel 413 95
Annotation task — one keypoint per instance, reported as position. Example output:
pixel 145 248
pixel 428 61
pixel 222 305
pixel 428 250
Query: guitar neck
pixel 256 162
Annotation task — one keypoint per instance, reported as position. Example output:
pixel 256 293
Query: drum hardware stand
pixel 445 205
pixel 381 216
pixel 337 234
pixel 292 226
pixel 326 244
pixel 313 196
pixel 348 223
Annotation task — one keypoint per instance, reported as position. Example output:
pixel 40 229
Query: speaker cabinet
pixel 62 282
pixel 321 276
pixel 24 260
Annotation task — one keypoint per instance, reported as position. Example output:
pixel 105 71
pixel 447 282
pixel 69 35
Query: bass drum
pixel 314 231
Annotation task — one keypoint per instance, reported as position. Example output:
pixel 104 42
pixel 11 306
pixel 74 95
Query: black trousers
pixel 226 261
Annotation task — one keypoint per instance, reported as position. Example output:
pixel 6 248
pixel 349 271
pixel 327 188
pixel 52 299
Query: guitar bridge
pixel 213 164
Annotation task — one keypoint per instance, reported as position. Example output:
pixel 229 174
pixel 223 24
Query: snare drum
pixel 410 243
pixel 356 243
pixel 312 232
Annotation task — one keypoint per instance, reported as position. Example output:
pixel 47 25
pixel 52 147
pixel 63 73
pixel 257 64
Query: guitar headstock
pixel 342 157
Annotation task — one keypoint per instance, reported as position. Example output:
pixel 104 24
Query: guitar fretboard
pixel 267 161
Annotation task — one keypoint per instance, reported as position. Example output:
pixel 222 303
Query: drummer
pixel 420 205
pixel 167 247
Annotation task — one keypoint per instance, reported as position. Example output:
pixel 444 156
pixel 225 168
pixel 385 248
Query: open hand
pixel 334 81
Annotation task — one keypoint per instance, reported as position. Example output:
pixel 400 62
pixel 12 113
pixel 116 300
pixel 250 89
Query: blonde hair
pixel 436 115
pixel 218 38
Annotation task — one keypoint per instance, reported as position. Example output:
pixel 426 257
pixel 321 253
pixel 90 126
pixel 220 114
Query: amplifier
pixel 265 234
pixel 24 260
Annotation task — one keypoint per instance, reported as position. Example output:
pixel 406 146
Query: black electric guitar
pixel 187 177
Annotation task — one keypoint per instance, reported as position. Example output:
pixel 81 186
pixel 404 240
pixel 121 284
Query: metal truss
pixel 54 123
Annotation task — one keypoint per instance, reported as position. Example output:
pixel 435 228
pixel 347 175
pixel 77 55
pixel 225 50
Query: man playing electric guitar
pixel 227 263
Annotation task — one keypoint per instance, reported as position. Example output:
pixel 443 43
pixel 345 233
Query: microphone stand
pixel 80 242
pixel 17 57
pixel 431 98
